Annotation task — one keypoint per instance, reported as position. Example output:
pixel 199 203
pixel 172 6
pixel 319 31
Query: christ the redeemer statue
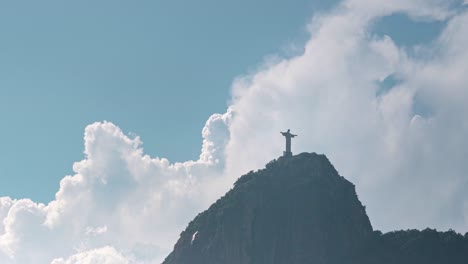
pixel 288 137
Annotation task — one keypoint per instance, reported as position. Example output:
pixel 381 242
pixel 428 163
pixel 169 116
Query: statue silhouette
pixel 288 137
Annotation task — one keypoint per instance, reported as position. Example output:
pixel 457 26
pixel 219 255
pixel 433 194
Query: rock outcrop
pixel 296 210
pixel 299 210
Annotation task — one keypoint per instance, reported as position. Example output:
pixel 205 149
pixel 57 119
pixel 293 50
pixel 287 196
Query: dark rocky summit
pixel 300 210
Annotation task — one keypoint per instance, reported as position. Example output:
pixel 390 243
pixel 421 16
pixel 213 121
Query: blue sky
pixel 155 68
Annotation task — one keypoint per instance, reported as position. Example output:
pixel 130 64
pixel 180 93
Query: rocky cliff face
pixel 296 210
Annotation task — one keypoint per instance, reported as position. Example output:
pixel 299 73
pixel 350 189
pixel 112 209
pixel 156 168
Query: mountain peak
pixel 297 209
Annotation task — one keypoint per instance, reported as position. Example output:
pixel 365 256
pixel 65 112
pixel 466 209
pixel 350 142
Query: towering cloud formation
pixel 118 197
pixel 404 146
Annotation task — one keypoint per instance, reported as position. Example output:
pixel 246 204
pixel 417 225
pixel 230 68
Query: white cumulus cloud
pixel 105 255
pixel 403 147
pixel 119 197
